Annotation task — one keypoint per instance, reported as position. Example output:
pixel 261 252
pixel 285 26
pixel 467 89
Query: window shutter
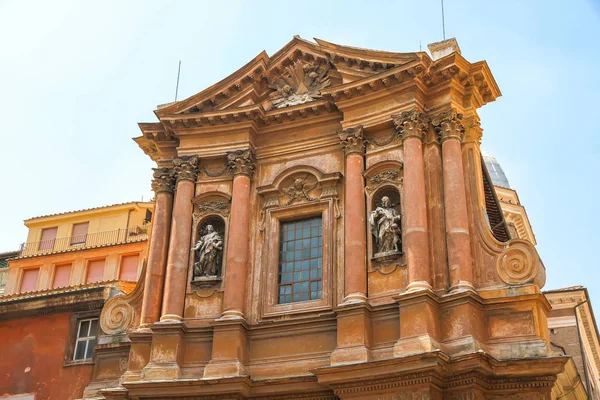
pixel 129 267
pixel 95 272
pixel 62 275
pixel 79 233
pixel 29 281
pixel 48 237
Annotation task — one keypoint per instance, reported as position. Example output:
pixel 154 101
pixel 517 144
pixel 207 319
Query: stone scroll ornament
pixel 353 140
pixel 385 226
pixel 299 83
pixel 209 253
pixel 518 264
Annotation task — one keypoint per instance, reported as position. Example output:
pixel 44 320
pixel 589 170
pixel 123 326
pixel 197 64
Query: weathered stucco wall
pixel 33 362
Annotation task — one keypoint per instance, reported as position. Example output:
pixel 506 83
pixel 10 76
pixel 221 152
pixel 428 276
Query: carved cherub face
pixel 385 201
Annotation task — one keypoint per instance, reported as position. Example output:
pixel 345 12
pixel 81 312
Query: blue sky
pixel 76 77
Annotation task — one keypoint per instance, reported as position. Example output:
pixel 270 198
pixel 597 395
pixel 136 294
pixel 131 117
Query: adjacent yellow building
pixel 81 247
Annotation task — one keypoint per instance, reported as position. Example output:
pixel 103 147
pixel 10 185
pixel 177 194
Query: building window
pixel 79 235
pixel 129 268
pixel 62 276
pixel 301 260
pixel 95 271
pixel 87 336
pixel 29 280
pixel 48 238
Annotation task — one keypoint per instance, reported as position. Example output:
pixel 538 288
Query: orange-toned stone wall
pixel 32 355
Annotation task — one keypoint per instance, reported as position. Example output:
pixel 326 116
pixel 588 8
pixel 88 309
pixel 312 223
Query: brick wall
pixel 568 339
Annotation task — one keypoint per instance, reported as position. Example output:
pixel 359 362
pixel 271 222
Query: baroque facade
pixel 324 227
pixel 356 246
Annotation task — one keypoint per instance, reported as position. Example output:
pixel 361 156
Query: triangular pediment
pixel 296 74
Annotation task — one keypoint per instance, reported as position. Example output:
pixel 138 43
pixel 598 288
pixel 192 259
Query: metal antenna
pixel 420 49
pixel 177 87
pixel 443 22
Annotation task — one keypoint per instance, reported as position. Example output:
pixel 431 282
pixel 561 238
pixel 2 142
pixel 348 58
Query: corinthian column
pixel 162 185
pixel 355 226
pixel 451 132
pixel 412 127
pixel 179 244
pixel 242 164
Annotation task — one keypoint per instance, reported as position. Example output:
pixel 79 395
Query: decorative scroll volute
pixel 353 140
pixel 410 124
pixel 164 179
pixel 186 167
pixel 519 263
pixel 448 125
pixel 241 162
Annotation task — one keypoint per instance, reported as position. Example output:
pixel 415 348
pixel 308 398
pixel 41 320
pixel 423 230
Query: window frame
pixel 87 339
pixel 69 358
pixel 85 235
pixel 271 308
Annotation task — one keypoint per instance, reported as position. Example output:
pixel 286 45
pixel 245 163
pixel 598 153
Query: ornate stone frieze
pixel 448 125
pixel 186 167
pixel 214 206
pixel 410 124
pixel 241 162
pixel 299 83
pixel 163 180
pixel 353 140
pixel 392 176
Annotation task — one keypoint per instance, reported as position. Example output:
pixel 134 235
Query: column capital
pixel 410 124
pixel 353 140
pixel 186 168
pixel 448 125
pixel 163 180
pixel 241 162
pixel 473 131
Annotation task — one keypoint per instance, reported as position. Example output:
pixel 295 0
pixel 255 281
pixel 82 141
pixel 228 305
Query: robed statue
pixel 209 253
pixel 385 226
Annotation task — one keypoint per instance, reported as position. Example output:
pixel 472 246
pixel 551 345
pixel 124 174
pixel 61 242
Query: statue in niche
pixel 209 253
pixel 385 226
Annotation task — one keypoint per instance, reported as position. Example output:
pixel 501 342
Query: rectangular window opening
pixel 301 260
pixel 79 235
pixel 87 337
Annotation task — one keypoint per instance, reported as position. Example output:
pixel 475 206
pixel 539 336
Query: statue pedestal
pixel 386 256
pixel 205 282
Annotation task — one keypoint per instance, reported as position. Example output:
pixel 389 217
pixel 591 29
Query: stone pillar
pixel 451 132
pixel 412 127
pixel 162 185
pixel 355 224
pixel 179 244
pixel 242 163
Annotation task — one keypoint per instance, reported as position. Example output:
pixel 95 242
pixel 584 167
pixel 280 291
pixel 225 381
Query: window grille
pixel 301 260
pixel 87 336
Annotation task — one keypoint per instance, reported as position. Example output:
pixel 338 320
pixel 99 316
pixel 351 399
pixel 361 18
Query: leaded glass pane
pixel 301 253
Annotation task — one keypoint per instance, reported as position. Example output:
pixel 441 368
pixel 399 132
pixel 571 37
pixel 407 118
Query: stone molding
pixel 163 180
pixel 353 140
pixel 448 125
pixel 410 124
pixel 241 162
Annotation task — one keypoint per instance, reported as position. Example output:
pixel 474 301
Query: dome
pixel 495 170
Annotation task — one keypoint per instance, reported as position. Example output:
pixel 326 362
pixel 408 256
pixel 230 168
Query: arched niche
pixel 210 225
pixel 385 237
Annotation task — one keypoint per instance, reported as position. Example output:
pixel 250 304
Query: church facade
pixel 325 228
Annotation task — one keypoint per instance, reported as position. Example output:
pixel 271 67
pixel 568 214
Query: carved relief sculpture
pixel 385 226
pixel 299 83
pixel 209 253
pixel 299 190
